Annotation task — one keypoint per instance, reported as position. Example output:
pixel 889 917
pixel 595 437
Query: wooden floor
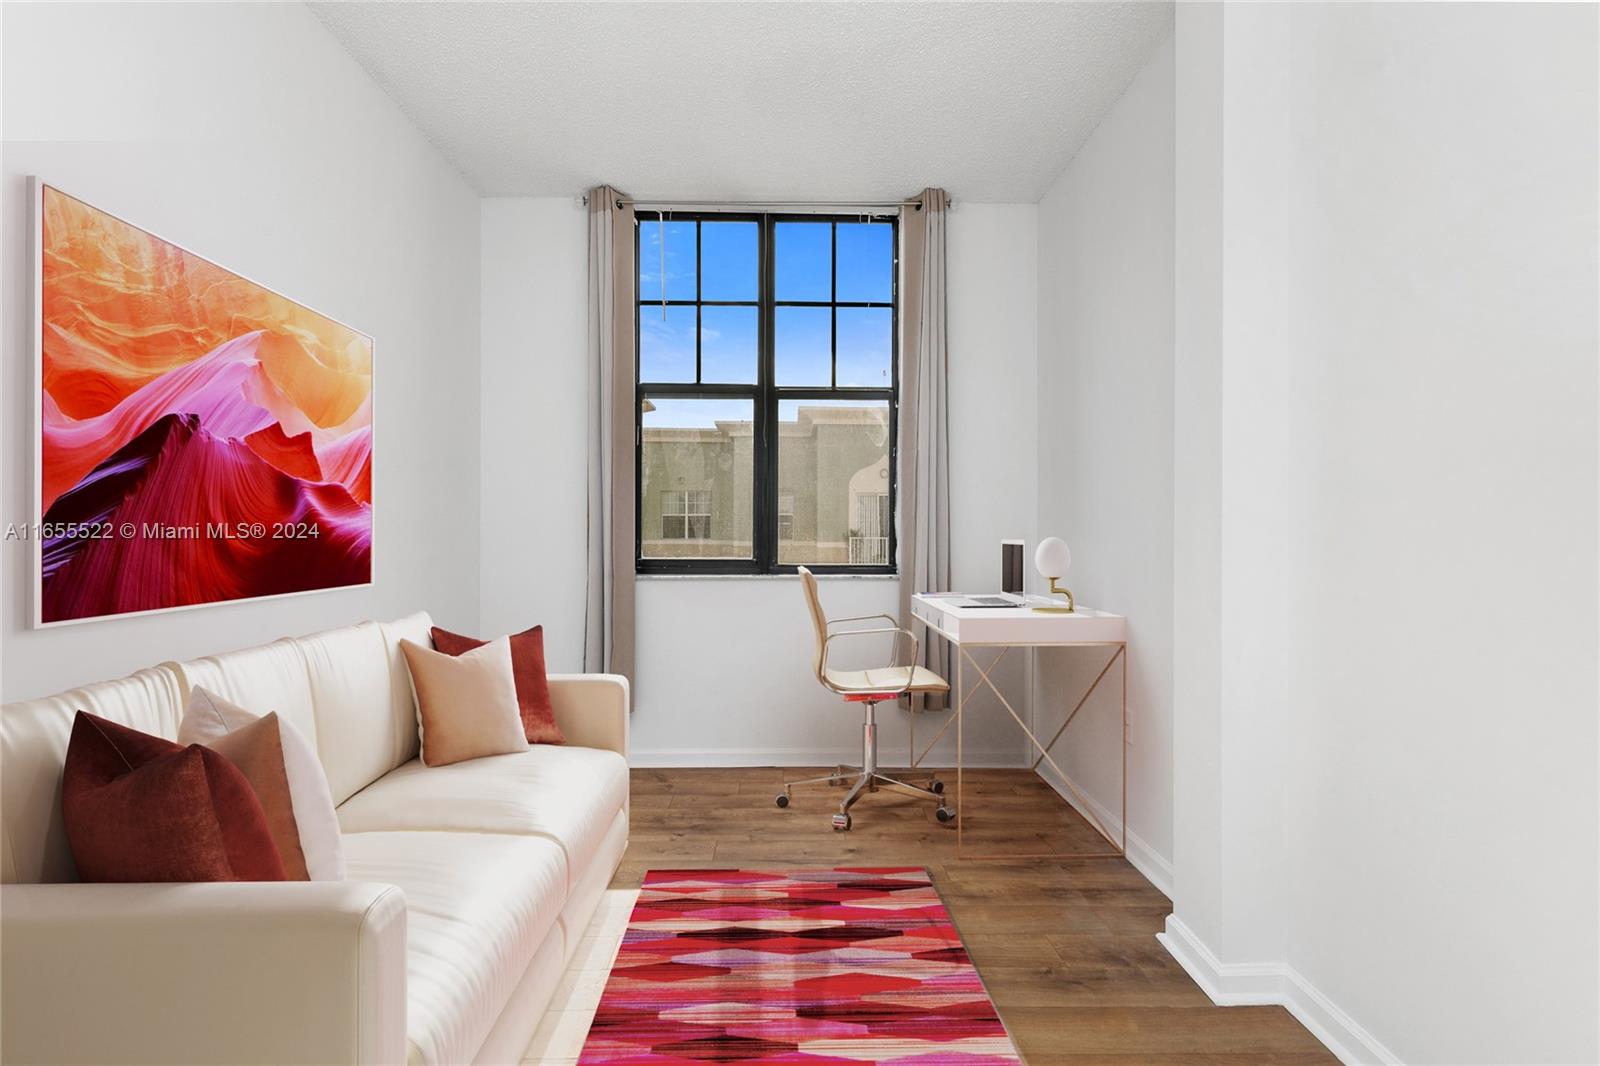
pixel 1066 947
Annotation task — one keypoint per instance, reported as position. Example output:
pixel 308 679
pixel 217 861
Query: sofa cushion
pixel 478 905
pixel 269 677
pixel 256 750
pixel 141 808
pixel 33 748
pixel 568 794
pixel 533 681
pixel 466 704
pixel 347 691
pixel 360 734
pixel 283 768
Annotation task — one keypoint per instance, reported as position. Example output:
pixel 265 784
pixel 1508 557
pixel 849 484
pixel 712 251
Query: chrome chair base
pixel 868 778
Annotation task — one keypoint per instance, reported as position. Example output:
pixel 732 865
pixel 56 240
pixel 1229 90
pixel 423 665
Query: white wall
pixel 247 134
pixel 531 431
pixel 1197 489
pixel 1442 868
pixel 1387 494
pixel 994 331
pixel 723 673
pixel 1105 449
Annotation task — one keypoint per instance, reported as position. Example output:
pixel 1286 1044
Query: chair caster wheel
pixel 936 787
pixel 841 822
pixel 945 814
pixel 783 799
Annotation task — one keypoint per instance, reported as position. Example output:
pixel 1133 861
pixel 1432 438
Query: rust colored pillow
pixel 141 808
pixel 527 669
pixel 257 750
pixel 282 767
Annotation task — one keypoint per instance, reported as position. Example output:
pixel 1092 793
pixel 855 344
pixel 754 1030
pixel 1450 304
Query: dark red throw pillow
pixel 527 670
pixel 140 808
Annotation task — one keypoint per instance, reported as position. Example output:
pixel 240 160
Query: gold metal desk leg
pixel 1124 652
pixel 1045 755
pixel 961 706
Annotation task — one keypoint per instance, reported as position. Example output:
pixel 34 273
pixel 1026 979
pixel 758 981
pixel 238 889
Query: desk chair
pixel 868 688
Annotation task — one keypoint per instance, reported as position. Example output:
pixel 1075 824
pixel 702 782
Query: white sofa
pixel 469 885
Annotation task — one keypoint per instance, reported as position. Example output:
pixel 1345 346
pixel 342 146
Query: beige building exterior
pixel 833 488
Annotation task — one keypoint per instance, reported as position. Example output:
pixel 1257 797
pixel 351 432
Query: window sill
pixel 764 577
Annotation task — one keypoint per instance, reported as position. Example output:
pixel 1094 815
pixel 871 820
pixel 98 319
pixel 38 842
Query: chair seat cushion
pixel 568 794
pixel 478 905
pixel 888 679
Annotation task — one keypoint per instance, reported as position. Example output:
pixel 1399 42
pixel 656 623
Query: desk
pixel 1005 628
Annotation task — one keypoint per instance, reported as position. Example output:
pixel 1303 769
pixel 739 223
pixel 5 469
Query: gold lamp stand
pixel 1057 590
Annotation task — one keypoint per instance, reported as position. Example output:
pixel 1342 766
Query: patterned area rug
pixel 847 966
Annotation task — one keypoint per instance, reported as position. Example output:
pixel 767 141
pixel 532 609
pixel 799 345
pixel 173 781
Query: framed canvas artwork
pixel 201 438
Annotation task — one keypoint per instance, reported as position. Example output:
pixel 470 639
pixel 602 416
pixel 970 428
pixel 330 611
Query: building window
pixel 685 514
pixel 767 393
pixel 785 516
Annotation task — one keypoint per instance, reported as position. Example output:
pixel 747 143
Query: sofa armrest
pixel 592 710
pixel 228 972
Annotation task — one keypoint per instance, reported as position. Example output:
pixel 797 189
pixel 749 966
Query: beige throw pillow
pixel 466 704
pixel 283 769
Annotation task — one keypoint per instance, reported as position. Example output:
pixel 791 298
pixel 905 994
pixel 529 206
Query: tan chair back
pixel 808 581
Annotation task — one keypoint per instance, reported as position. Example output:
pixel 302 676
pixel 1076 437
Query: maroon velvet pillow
pixel 527 670
pixel 140 808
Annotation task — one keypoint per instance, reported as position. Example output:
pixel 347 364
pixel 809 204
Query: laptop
pixel 1003 599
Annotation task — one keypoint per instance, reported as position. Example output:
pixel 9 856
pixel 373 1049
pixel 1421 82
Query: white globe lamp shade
pixel 1052 557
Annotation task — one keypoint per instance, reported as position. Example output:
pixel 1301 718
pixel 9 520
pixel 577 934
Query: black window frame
pixel 765 395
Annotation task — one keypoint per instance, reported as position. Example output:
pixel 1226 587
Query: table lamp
pixel 1051 559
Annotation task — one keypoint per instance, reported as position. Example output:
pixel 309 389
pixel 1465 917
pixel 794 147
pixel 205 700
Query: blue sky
pixel 729 261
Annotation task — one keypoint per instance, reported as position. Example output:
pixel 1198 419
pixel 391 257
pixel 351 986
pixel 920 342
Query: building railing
pixel 869 551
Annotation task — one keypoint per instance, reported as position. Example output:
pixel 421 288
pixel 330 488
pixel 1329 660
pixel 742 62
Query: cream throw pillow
pixel 241 736
pixel 466 704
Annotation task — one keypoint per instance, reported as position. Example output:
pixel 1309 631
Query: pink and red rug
pixel 846 966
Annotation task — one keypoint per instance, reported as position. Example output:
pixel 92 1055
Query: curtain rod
pixel 651 205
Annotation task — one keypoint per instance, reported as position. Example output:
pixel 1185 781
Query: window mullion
pixel 699 306
pixel 833 304
pixel 766 532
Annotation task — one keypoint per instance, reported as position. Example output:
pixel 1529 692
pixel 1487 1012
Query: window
pixel 767 393
pixel 785 516
pixel 695 479
pixel 686 514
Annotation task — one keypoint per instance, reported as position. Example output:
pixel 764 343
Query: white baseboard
pixel 1156 867
pixel 663 758
pixel 1233 984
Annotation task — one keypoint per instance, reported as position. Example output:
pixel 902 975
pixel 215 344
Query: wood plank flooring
pixel 1066 946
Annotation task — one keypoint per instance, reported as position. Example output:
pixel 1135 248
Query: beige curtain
pixel 924 534
pixel 608 629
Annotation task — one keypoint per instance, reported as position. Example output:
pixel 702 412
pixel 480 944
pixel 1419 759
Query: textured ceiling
pixel 754 100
